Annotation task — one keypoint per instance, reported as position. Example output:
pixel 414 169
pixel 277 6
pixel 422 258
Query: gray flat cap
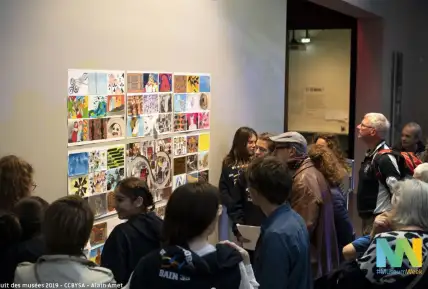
pixel 290 137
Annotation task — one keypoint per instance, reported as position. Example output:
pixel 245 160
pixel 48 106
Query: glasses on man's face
pixel 366 126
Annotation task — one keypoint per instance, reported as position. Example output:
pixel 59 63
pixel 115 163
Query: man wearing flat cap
pixel 311 198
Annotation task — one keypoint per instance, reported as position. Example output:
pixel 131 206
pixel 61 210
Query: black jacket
pixel 129 242
pixel 177 268
pixel 243 211
pixel 228 178
pixel 25 251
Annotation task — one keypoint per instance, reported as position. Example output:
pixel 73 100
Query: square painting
pixel 77 107
pixel 204 176
pixel 164 145
pixel 115 105
pixel 165 103
pixel 114 176
pixel 111 202
pixel 78 131
pixel 151 82
pixel 98 129
pixel 179 166
pixel 78 164
pixel 192 121
pixel 203 161
pixel 204 101
pixel 191 163
pixel 204 142
pixel 135 82
pixel 164 123
pixel 135 126
pixel 192 102
pixel 180 146
pixel 180 83
pixel 102 86
pixel 95 254
pixel 193 177
pixel 135 105
pixel 150 104
pixel 115 157
pixel 178 181
pixel 78 82
pixel 98 160
pixel 165 82
pixel 180 102
pixel 180 122
pixel 192 84
pixel 116 128
pixel 98 182
pixel 98 234
pixel 204 120
pixel 204 83
pixel 150 124
pixel 192 144
pixel 98 204
pixel 97 106
pixel 78 186
pixel 116 83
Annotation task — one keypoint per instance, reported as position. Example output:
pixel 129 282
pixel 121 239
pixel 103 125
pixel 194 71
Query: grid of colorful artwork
pixel 156 125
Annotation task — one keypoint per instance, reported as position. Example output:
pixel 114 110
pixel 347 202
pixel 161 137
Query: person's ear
pixel 139 202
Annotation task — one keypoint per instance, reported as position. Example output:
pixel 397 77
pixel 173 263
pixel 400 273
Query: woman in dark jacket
pixel 141 234
pixel 326 162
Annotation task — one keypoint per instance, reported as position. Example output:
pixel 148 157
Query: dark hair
pixel 16 178
pixel 270 177
pixel 333 143
pixel 67 226
pixel 191 209
pixel 31 213
pixel 133 188
pixel 238 153
pixel 266 137
pixel 10 230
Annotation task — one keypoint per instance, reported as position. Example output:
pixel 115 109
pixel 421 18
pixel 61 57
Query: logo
pixel 402 246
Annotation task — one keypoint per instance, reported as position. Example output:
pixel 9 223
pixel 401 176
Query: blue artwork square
pixel 180 102
pixel 92 85
pixel 205 83
pixel 78 164
pixel 102 85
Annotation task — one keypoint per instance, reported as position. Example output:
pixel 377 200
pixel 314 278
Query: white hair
pixel 421 172
pixel 410 200
pixel 379 122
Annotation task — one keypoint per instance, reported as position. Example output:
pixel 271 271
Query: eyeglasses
pixel 366 126
pixel 34 186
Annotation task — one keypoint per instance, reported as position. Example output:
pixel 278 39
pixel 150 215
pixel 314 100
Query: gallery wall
pixel 241 43
pixel 324 64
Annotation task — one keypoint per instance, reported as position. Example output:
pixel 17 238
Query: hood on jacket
pixel 148 225
pixel 388 275
pixel 62 269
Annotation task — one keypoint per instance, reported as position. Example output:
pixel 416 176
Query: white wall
pixel 325 63
pixel 240 42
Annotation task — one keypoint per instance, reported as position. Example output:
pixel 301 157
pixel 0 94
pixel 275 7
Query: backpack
pixel 406 161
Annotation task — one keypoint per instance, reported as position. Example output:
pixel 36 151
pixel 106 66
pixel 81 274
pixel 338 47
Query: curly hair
pixel 16 179
pixel 326 162
pixel 333 144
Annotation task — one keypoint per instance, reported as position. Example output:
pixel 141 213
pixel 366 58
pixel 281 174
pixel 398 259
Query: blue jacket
pixel 282 257
pixel 342 222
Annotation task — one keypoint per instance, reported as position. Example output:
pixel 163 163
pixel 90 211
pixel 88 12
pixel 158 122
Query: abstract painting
pixel 192 144
pixel 95 254
pixel 102 86
pixel 192 177
pixel 135 82
pixel 179 166
pixel 204 83
pixel 150 104
pixel 135 126
pixel 180 146
pixel 78 186
pixel 179 102
pixel 164 123
pixel 78 164
pixel 116 82
pixel 115 157
pixel 191 163
pixel 192 121
pixel 180 83
pixel 203 161
pixel 115 105
pixel 204 120
pixel 78 82
pixel 135 105
pixel 114 176
pixel 98 182
pixel 98 234
pixel 178 181
pixel 98 204
pixel 203 176
pixel 192 83
pixel 97 129
pixel 97 106
pixel 97 160
pixel 180 122
pixel 204 142
pixel 165 103
pixel 111 202
pixel 193 102
pixel 150 124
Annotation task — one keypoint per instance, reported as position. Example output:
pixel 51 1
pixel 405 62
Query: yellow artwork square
pixel 204 142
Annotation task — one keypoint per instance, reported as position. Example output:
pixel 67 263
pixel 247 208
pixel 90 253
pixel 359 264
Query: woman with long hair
pixel 239 156
pixel 327 163
pixel 187 259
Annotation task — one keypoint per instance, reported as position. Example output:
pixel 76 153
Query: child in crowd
pixel 141 234
pixel 10 234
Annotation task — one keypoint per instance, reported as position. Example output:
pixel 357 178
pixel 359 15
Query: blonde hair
pixel 327 163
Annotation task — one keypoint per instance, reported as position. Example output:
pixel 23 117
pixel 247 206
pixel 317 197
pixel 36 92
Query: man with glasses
pixel 377 174
pixel 311 199
pixel 243 211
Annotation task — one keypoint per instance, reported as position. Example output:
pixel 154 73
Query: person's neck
pixel 411 149
pixel 373 144
pixel 198 243
pixel 268 208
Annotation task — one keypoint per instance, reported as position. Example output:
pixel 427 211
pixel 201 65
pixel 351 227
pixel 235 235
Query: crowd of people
pixel 293 190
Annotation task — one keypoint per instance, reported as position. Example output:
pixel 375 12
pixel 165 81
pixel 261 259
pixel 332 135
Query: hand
pixel 381 224
pixel 244 254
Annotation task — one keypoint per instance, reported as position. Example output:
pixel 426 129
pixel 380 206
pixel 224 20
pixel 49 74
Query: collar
pixel 272 217
pixel 370 153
